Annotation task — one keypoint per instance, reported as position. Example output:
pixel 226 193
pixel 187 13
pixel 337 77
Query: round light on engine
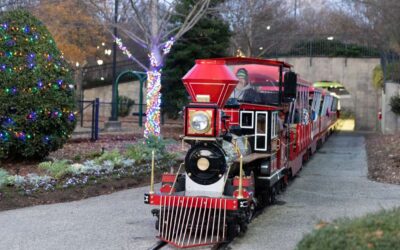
pixel 203 164
pixel 200 122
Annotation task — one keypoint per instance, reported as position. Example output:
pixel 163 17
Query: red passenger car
pixel 251 125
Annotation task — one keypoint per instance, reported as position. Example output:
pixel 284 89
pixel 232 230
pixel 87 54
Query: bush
pixel 57 169
pixel 3 177
pixel 112 156
pixel 36 96
pixel 142 150
pixel 395 104
pixel 376 231
pixel 124 105
pixel 377 77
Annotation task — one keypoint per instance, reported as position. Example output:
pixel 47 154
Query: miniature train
pixel 243 147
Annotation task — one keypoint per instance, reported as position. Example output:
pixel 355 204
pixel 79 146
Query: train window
pixel 321 106
pixel 334 105
pixel 261 131
pixel 315 106
pixel 275 126
pixel 326 105
pixel 247 119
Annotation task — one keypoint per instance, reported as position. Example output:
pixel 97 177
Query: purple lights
pixel 71 117
pixel 40 84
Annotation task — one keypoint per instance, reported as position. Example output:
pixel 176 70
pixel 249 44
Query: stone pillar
pixel 390 122
pixel 78 84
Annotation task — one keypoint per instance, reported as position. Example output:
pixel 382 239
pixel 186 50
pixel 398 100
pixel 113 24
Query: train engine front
pixel 210 201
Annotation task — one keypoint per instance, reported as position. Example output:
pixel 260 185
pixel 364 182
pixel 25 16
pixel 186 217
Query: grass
pixel 373 231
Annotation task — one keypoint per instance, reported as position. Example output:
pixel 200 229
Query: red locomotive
pixel 251 125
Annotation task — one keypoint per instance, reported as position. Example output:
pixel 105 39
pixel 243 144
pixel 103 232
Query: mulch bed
pixel 77 150
pixel 383 157
pixel 10 198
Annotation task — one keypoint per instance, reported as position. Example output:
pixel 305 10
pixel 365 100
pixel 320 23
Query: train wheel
pixel 272 195
pixel 243 228
pixel 233 229
pixel 282 184
pixel 262 200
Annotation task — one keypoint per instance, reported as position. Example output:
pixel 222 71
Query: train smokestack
pixel 210 81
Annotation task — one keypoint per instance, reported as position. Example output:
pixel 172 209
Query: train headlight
pixel 200 122
pixel 203 164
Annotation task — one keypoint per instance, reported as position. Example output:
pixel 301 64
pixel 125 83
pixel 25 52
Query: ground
pixel 332 184
pixel 382 152
pixel 383 157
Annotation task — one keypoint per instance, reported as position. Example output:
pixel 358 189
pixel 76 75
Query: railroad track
pixel 160 244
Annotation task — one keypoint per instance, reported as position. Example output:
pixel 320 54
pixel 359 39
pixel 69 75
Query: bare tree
pixel 330 20
pixel 257 24
pixel 6 5
pixel 148 23
pixel 379 20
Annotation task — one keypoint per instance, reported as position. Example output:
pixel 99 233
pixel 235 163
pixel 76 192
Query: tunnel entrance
pixel 346 103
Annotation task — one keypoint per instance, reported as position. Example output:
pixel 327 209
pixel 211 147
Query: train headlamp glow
pixel 200 122
pixel 203 164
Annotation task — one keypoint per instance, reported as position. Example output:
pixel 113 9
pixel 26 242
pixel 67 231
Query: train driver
pixel 243 91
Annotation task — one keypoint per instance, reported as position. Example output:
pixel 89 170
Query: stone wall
pixel 355 74
pixel 390 121
pixel 104 93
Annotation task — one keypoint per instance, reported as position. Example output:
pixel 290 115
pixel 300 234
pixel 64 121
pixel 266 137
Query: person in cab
pixel 244 92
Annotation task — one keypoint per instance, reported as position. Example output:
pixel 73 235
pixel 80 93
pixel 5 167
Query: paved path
pixel 333 184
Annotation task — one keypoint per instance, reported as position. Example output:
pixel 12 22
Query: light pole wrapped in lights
pixel 114 98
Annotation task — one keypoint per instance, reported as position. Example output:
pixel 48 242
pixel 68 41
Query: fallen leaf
pixel 378 233
pixel 321 224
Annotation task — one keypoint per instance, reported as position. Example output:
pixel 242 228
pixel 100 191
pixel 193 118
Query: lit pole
pixel 114 99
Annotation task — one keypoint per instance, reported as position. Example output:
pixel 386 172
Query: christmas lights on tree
pixel 36 92
pixel 153 96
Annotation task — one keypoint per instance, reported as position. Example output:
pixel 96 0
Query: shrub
pixel 124 105
pixel 111 156
pixel 16 180
pixel 142 150
pixel 395 104
pixel 36 96
pixel 3 177
pixel 375 231
pixel 57 169
pixel 377 77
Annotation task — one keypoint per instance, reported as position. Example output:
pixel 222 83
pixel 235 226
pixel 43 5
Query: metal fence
pixel 93 114
pixel 317 48
pixel 390 63
pixel 91 108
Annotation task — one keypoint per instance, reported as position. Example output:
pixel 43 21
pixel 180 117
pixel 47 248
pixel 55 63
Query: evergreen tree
pixel 209 38
pixel 36 91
